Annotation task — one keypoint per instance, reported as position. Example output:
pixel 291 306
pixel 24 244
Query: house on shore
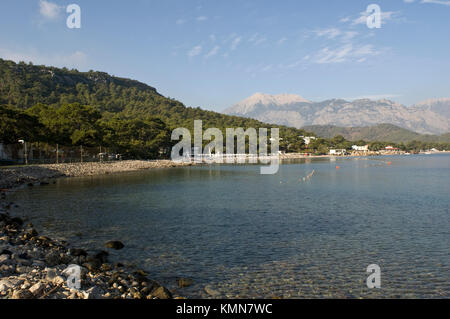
pixel 357 148
pixel 390 150
pixel 338 152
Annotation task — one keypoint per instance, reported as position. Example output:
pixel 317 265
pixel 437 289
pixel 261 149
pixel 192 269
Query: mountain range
pixel 429 117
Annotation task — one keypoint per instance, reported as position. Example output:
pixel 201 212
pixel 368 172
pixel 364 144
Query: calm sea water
pixel 248 235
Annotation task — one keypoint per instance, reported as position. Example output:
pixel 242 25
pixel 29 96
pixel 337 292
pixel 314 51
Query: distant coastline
pixel 16 176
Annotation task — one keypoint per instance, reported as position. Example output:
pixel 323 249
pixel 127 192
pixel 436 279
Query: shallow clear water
pixel 249 235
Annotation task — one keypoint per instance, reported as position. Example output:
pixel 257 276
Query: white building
pixel 338 152
pixel 364 148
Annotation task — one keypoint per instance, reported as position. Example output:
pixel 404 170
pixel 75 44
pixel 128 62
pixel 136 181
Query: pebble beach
pixel 33 266
pixel 11 177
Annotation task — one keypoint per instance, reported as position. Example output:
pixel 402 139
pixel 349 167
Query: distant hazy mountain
pixel 426 118
pixel 440 106
pixel 380 132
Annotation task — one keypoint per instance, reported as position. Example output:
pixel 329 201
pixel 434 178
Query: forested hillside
pixel 94 108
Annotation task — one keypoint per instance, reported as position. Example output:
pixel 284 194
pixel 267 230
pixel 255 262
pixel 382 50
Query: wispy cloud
pixel 235 43
pixel 445 3
pixel 201 18
pixel 349 35
pixel 298 63
pixel 257 39
pixel 385 16
pixel 180 21
pixel 345 53
pixel 330 33
pixel 49 10
pixel 282 40
pixel 195 51
pixel 213 52
pixel 335 34
pixel 327 55
pixel 267 68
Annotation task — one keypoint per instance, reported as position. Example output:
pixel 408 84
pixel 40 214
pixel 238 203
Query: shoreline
pixel 33 266
pixel 15 176
pixel 12 177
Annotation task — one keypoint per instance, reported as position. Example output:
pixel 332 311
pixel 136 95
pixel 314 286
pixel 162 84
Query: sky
pixel 214 53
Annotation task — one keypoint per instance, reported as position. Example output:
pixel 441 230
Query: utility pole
pixel 81 152
pixel 57 153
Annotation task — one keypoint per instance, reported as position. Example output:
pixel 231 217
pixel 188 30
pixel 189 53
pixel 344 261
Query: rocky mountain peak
pixel 433 117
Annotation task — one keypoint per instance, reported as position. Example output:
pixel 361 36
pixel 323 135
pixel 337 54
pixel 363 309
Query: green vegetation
pixel 75 108
pixel 54 106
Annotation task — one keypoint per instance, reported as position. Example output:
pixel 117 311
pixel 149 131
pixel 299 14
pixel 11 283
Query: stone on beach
pixel 161 293
pixel 37 288
pixel 37 267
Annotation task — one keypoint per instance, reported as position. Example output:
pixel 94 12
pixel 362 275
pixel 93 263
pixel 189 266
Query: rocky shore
pixel 33 266
pixel 11 177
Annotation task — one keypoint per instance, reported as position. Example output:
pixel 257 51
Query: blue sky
pixel 215 53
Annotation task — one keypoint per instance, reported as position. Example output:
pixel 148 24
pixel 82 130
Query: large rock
pixel 185 282
pixel 93 293
pixel 114 245
pixel 37 289
pixel 161 293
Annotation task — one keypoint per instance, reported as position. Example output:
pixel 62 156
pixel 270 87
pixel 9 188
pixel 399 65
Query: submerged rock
pixel 211 291
pixel 117 245
pixel 102 256
pixel 185 282
pixel 53 259
pixel 77 252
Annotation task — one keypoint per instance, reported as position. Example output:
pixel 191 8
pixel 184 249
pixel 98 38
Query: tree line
pixel 83 125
